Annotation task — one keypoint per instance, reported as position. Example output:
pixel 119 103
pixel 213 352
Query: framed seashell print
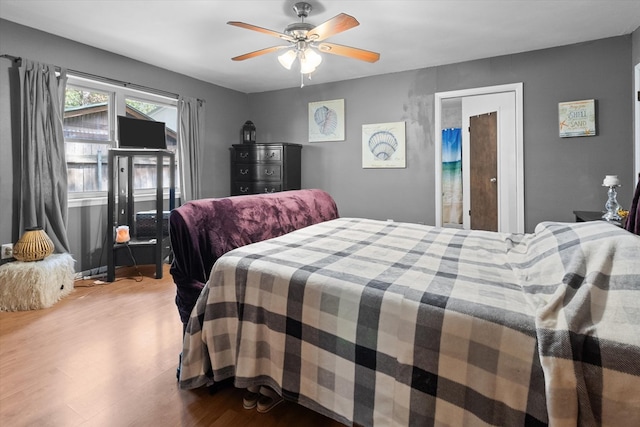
pixel 383 145
pixel 326 120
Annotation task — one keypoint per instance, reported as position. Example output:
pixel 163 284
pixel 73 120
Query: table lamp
pixel 612 205
pixel 122 234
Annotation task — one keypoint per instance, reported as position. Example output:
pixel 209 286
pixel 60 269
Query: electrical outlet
pixel 7 251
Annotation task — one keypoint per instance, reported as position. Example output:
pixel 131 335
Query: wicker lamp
pixel 34 245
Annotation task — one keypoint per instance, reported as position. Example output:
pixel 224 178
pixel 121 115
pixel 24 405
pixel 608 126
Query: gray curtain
pixel 44 168
pixel 191 124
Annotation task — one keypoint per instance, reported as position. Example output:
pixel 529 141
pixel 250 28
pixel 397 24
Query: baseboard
pixel 94 273
pixel 91 273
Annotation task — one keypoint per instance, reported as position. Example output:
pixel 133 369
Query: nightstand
pixel 582 216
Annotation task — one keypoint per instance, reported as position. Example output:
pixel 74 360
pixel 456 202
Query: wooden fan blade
pixel 261 30
pixel 333 26
pixel 258 53
pixel 351 52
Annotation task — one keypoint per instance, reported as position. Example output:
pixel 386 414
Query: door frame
pixel 636 103
pixel 516 88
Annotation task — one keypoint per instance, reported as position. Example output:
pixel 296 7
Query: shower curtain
pixel 452 176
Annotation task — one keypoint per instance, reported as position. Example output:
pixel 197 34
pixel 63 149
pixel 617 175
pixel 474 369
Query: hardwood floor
pixel 106 355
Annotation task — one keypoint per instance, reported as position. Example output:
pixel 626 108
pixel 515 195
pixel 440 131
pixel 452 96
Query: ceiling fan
pixel 304 39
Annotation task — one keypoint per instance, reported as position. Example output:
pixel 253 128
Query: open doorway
pixel 509 155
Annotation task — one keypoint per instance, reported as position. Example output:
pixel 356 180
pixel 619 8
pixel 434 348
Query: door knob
pixel 494 179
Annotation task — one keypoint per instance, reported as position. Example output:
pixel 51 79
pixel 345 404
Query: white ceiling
pixel 191 37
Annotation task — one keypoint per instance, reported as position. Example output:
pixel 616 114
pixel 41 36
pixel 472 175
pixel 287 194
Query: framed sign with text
pixel 577 118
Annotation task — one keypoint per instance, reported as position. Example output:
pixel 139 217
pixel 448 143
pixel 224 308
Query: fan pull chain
pixel 302 79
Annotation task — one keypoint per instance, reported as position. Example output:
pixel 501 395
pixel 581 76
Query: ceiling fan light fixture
pixel 306 68
pixel 309 60
pixel 287 58
pixel 302 36
pixel 312 57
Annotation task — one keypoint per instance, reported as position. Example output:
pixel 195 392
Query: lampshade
pixel 287 58
pixel 610 180
pixel 309 59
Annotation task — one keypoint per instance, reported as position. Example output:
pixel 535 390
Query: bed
pixel 379 323
pixel 203 230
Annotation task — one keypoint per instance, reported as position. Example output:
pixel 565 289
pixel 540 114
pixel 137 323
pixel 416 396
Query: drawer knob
pixel 244 189
pixel 268 172
pixel 244 155
pixel 244 171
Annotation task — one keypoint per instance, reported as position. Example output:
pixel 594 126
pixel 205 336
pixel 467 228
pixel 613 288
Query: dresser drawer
pixel 267 187
pixel 240 188
pixel 257 172
pixel 244 155
pixel 258 154
pixel 268 154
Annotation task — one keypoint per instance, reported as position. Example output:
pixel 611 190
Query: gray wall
pixel 226 111
pixel 561 174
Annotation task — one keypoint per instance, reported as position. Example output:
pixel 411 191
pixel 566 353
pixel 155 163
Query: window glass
pixel 90 130
pixel 88 135
pixel 145 167
pixel 87 167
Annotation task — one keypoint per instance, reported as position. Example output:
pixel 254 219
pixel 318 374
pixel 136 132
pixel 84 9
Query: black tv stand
pixel 120 207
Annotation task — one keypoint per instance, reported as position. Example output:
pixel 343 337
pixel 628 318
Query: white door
pixel 504 104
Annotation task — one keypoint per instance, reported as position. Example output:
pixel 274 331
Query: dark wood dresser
pixel 265 168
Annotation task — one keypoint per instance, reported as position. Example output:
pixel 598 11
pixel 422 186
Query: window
pixel 91 108
pixel 145 167
pixel 88 134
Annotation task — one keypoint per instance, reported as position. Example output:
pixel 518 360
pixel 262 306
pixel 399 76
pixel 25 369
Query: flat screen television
pixel 137 133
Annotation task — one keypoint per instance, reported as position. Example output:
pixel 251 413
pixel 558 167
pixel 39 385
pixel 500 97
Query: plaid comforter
pixel 390 324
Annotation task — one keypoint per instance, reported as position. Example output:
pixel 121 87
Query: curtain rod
pixel 108 80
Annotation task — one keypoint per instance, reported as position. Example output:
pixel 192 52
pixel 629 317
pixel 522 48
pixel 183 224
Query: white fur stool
pixel 37 284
